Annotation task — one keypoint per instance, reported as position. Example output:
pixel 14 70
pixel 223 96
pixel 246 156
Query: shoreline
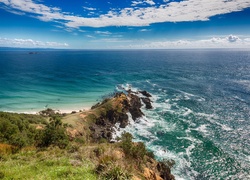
pixel 61 110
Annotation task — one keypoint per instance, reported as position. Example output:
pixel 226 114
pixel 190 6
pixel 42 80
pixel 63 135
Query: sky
pixel 125 24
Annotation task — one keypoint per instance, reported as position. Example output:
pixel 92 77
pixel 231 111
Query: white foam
pixel 213 118
pixel 128 87
pixel 188 111
pixel 245 83
pixel 202 128
pixel 180 170
pixel 147 128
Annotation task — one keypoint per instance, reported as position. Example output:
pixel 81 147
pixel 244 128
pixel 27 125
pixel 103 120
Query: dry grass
pixel 6 149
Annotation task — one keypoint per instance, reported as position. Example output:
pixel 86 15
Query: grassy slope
pixel 81 159
pixel 49 164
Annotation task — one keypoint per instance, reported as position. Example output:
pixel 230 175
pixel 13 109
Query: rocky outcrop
pixel 135 106
pixel 109 112
pixel 164 171
pixel 147 102
pixel 151 175
pixel 145 93
pixel 104 116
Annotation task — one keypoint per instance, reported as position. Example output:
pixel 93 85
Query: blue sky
pixel 126 24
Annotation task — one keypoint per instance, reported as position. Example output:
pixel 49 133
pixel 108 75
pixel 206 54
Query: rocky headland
pixel 88 135
pixel 104 116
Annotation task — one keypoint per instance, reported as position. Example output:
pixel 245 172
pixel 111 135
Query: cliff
pixel 84 139
pixel 98 125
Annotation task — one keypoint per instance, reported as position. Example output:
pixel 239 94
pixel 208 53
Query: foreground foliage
pixel 17 129
pixel 44 147
pixel 52 163
pixel 21 130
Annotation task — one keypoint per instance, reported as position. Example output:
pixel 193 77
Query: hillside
pixel 78 145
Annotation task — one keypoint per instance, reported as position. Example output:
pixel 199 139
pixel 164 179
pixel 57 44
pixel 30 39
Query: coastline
pixel 62 110
pixel 90 131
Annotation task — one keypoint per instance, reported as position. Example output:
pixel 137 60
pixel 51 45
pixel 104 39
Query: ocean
pixel 201 99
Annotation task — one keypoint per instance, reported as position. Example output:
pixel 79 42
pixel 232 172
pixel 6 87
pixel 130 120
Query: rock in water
pixel 147 102
pixel 145 93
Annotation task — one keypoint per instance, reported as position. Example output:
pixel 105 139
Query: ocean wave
pixel 174 131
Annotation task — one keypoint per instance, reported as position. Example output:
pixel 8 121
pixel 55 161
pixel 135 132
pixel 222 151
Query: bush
pixel 6 149
pixel 126 143
pixel 16 130
pixel 133 150
pixel 107 169
pixel 116 173
pixel 99 151
pixel 1 175
pixel 53 134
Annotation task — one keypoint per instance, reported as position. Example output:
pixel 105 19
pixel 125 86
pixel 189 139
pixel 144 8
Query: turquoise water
pixel 201 99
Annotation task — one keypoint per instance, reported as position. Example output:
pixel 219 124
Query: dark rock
pixel 100 132
pixel 135 105
pixel 112 116
pixel 101 121
pixel 123 119
pixel 117 113
pixel 145 93
pixel 147 102
pixel 92 128
pixel 125 104
pixel 164 171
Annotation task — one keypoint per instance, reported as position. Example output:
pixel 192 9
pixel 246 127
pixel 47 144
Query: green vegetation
pixel 111 171
pixel 20 130
pixel 136 151
pixel 52 163
pixel 53 134
pixel 55 146
pixel 17 129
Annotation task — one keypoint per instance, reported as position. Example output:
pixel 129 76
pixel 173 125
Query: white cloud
pixel 150 2
pixel 29 43
pixel 89 8
pixel 103 32
pixel 144 30
pixel 232 38
pixel 140 2
pixel 187 10
pixel 89 36
pixel 111 40
pixel 215 42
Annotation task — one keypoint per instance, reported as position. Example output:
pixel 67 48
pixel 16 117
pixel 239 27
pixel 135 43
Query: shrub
pixel 1 175
pixel 6 149
pixel 116 173
pixel 16 130
pixel 53 134
pixel 126 143
pixel 134 150
pixel 99 151
pixel 107 169
pixel 131 149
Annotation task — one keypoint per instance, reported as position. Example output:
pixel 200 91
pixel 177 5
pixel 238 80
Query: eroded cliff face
pixel 98 124
pixel 108 113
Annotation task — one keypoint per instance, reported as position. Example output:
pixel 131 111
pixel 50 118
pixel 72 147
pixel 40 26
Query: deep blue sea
pixel 201 99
